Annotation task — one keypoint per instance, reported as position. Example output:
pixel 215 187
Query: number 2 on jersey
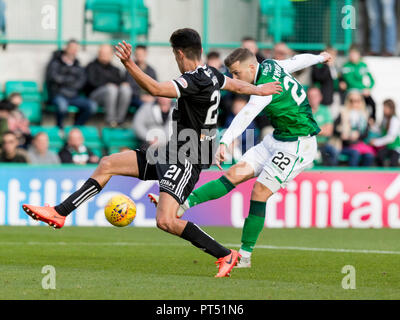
pixel 212 113
pixel 299 98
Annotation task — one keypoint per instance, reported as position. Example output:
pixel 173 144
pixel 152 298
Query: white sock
pixel 185 205
pixel 244 253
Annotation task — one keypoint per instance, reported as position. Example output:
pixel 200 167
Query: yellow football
pixel 120 210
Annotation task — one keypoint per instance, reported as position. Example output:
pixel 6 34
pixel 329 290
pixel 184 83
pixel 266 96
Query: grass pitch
pixel 146 263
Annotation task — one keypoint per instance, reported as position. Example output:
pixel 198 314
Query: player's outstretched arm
pixel 241 121
pixel 302 61
pixel 242 87
pixel 155 88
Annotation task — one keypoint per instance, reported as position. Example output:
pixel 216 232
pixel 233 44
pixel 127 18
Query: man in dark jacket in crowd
pixel 140 96
pixel 325 76
pixel 108 86
pixel 65 79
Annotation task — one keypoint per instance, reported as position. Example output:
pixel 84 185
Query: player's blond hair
pixel 240 54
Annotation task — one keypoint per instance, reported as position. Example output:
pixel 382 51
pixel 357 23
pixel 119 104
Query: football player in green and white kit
pixel 281 156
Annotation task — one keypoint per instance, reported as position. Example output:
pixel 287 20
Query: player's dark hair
pixel 240 54
pixel 187 40
pixel 213 55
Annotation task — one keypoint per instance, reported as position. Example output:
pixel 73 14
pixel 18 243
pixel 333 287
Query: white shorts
pixel 276 163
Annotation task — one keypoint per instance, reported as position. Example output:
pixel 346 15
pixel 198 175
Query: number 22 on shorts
pixel 283 164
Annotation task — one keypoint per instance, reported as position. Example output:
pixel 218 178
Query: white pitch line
pixel 268 247
pixel 319 249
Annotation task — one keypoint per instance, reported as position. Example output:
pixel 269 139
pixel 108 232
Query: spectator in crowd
pixel 5 108
pixel 352 125
pixel 152 121
pixel 65 78
pixel 251 44
pixel 325 76
pixel 355 75
pixel 214 60
pixel 323 117
pixel 39 153
pixel 389 144
pixel 107 85
pixel 281 51
pixel 3 20
pixel 250 137
pixel 10 151
pixel 17 122
pixel 139 96
pixel 74 151
pixel 382 11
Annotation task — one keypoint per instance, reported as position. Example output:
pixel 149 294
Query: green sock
pixel 211 190
pixel 253 225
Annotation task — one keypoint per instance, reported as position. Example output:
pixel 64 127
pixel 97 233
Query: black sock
pixel 202 240
pixel 89 189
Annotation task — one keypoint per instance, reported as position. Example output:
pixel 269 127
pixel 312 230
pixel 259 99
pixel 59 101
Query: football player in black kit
pixel 177 167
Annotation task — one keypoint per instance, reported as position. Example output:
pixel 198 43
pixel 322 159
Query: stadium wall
pixel 317 198
pixel 24 21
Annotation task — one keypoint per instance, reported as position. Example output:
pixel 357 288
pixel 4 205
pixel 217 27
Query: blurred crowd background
pixel 84 111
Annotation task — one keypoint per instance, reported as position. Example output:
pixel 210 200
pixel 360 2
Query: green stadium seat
pixel 52 108
pixel 97 151
pixel 90 133
pixel 55 139
pixel 114 149
pixel 140 22
pixel 132 109
pixel 32 111
pixel 116 138
pixel 343 158
pixel 287 20
pixel 2 96
pixel 114 16
pixel 28 89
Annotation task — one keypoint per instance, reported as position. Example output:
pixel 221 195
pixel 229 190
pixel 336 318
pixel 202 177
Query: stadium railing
pixel 303 25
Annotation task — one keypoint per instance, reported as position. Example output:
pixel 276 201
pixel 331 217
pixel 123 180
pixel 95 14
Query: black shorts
pixel 178 180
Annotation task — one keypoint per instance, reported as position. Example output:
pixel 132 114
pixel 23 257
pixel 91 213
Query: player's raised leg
pixel 124 164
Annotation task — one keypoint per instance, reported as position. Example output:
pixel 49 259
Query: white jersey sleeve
pixel 299 62
pixel 243 119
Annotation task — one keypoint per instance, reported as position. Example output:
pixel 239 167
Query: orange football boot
pixel 227 263
pixel 46 214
